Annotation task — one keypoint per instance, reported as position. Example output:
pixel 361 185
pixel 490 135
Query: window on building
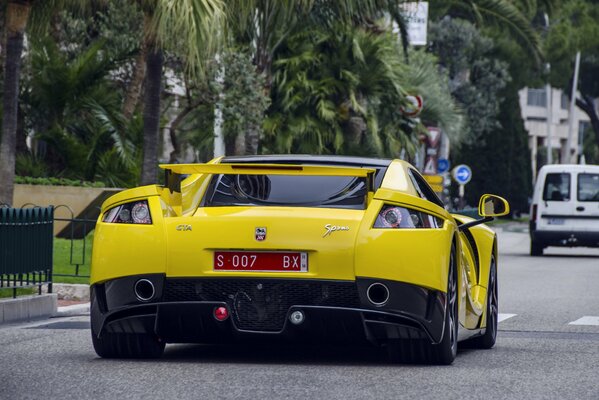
pixel 565 101
pixel 537 97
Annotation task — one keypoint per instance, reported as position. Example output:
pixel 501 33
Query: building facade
pixel 533 103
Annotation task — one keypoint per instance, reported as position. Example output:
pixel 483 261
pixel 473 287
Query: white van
pixel 565 207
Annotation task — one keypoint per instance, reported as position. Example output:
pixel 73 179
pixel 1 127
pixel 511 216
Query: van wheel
pixel 536 248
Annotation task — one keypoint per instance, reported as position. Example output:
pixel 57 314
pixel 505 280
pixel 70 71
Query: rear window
pixel 557 187
pixel 588 187
pixel 287 190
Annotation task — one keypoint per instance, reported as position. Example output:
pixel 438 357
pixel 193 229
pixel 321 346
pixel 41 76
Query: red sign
pixel 258 261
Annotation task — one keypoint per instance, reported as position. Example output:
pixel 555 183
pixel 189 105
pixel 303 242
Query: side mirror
pixel 491 205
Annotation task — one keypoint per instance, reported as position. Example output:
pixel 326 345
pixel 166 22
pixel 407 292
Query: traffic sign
pixel 442 165
pixel 434 135
pixel 462 174
pixel 429 167
pixel 434 179
pixel 413 106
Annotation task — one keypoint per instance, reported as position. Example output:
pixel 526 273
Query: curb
pixel 73 310
pixel 27 308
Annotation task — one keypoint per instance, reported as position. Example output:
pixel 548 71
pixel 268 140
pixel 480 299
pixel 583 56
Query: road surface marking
pixel 586 320
pixel 503 317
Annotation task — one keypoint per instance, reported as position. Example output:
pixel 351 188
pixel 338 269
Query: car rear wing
pixel 174 172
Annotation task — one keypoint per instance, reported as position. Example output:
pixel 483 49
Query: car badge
pixel 260 234
pixel 333 228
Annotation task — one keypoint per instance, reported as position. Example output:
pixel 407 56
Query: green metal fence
pixel 26 238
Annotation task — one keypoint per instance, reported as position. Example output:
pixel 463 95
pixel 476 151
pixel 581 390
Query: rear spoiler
pixel 173 172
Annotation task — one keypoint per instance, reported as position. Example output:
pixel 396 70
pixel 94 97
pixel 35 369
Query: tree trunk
pixel 252 139
pixel 153 89
pixel 587 105
pixel 139 73
pixel 17 15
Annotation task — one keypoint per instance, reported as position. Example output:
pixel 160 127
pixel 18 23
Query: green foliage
pixel 475 76
pixel 52 181
pixel 575 28
pixel 341 90
pixel 68 254
pixel 590 147
pixel 75 113
pixel 190 28
pixel 424 77
pixel 31 166
pixel 245 100
pixel 501 164
pixel 327 87
pixel 511 18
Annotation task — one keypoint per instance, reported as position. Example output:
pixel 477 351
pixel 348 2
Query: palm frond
pixel 194 25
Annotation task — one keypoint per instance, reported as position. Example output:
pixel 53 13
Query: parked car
pixel 293 249
pixel 565 207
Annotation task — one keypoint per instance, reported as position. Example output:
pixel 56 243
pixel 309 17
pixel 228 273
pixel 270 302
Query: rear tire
pixel 487 340
pixel 127 345
pixel 536 248
pixel 422 351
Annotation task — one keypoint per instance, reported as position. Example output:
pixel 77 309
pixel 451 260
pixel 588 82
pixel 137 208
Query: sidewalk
pixel 67 300
pixel 72 310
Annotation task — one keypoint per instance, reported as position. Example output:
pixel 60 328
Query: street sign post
pixel 462 174
pixel 442 165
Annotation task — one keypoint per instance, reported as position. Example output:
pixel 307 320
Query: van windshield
pixel 557 187
pixel 588 187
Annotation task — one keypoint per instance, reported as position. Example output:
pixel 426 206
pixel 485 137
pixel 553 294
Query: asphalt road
pixel 539 354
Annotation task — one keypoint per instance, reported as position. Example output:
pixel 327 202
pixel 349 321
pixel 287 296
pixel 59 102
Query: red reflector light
pixel 221 313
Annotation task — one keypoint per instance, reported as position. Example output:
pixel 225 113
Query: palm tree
pixel 264 25
pixel 514 16
pixel 17 14
pixel 75 109
pixel 340 90
pixel 189 27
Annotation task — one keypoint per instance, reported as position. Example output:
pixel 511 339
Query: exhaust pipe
pixel 377 294
pixel 144 290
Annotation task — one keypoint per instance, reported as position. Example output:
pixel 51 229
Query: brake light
pixel 136 212
pixel 533 216
pixel 391 217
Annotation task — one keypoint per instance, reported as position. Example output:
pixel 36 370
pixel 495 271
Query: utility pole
pixel 549 106
pixel 549 123
pixel 572 109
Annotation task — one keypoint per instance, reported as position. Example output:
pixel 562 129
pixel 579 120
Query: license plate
pixel 556 221
pixel 258 261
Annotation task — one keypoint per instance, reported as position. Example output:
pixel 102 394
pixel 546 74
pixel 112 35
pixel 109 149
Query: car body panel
pixel 289 229
pixel 178 250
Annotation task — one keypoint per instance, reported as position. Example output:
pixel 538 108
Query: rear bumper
pixel 565 238
pixel 335 311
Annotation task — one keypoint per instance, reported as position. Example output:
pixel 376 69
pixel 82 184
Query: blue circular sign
pixel 442 165
pixel 462 174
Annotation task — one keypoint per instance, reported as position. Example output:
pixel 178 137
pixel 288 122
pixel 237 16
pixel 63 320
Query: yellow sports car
pixel 294 249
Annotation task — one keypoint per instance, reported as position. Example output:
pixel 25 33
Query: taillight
pixel 391 217
pixel 533 216
pixel 136 212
